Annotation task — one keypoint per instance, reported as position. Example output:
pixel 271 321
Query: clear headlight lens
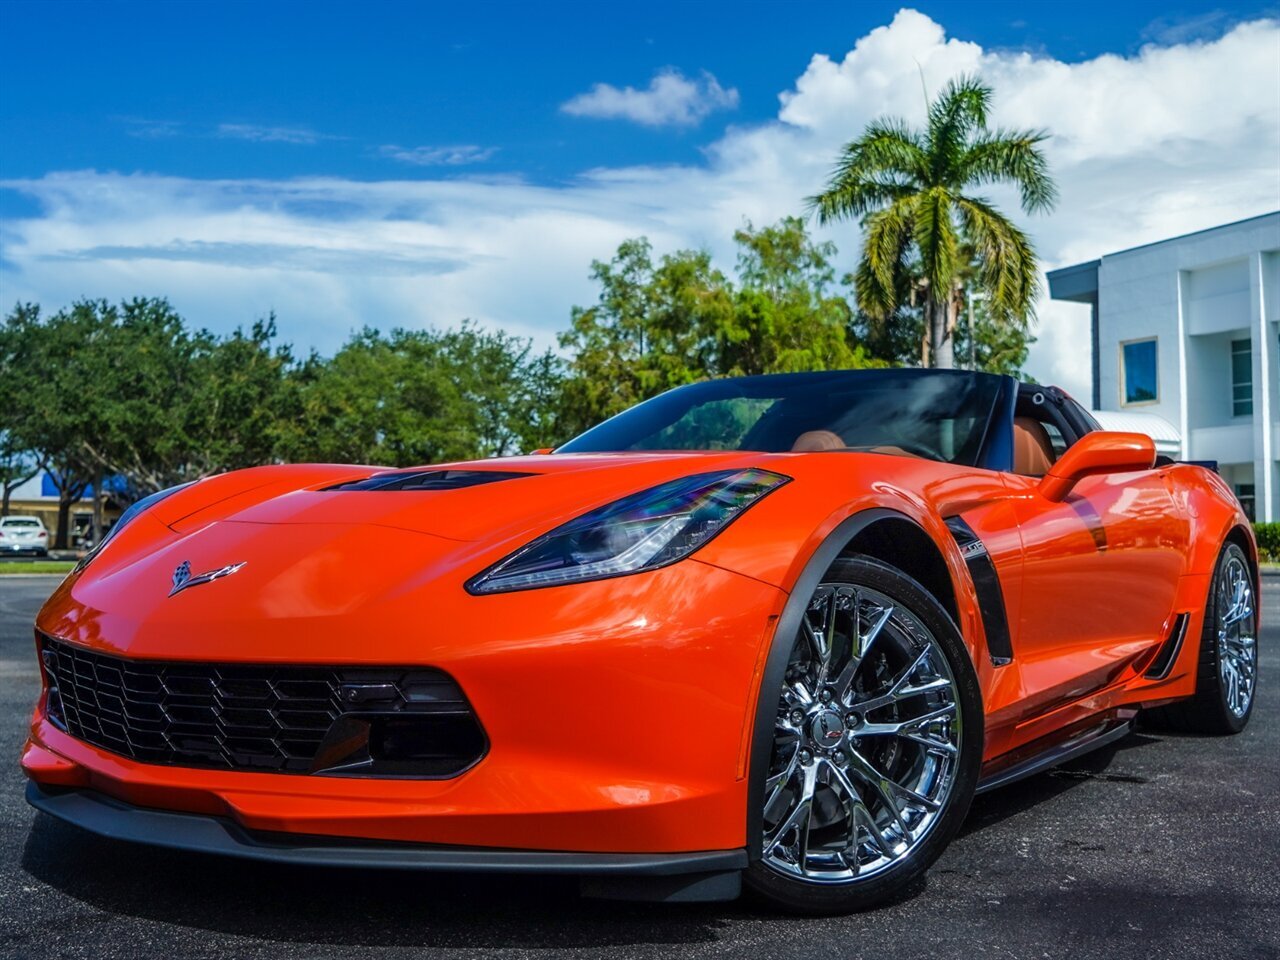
pixel 644 531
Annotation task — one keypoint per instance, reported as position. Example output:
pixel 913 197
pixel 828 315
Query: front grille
pixel 261 717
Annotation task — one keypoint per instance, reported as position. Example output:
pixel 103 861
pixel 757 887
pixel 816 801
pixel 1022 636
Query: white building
pixel 1189 329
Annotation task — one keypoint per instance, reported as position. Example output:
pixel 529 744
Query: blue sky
pixel 289 89
pixel 414 164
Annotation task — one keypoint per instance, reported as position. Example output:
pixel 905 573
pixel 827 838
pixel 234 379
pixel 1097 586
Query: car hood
pixel 534 493
pixel 377 561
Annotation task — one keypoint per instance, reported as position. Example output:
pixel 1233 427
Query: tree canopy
pixel 925 228
pixel 660 325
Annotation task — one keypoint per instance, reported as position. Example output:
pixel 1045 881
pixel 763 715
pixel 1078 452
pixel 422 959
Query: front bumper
pixel 618 714
pixel 32 548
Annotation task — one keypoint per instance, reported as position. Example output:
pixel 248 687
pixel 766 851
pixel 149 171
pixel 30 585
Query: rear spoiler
pixel 1210 465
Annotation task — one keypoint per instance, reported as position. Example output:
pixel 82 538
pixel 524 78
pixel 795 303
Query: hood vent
pixel 429 480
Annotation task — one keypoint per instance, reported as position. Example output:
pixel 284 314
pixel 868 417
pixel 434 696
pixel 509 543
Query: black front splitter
pixel 698 876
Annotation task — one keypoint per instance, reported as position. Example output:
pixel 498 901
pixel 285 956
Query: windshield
pixel 938 414
pixel 20 522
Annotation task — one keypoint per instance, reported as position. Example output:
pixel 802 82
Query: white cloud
pixel 146 129
pixel 449 156
pixel 671 99
pixel 264 134
pixel 1173 139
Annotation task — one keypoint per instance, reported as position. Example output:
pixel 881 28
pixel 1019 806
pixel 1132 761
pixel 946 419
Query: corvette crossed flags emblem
pixel 182 577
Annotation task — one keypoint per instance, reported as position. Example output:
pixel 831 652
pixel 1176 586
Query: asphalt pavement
pixel 1164 846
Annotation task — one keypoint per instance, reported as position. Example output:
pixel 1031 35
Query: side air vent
pixel 1168 654
pixel 429 480
pixel 986 583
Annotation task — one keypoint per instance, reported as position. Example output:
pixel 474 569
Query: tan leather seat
pixel 1032 448
pixel 812 441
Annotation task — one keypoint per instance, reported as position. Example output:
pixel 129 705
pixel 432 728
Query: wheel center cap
pixel 827 728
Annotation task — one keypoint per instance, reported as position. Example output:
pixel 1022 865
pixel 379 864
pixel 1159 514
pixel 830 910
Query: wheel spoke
pixel 914 725
pixel 886 786
pixel 775 785
pixel 799 817
pixel 883 786
pixel 1238 612
pixel 861 646
pixel 859 815
pixel 945 747
pixel 817 643
pixel 797 695
pixel 899 689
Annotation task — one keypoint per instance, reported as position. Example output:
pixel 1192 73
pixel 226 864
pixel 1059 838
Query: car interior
pixel 1045 423
pixel 1044 426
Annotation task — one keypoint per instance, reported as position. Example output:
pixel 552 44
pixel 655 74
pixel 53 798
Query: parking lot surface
pixel 1163 846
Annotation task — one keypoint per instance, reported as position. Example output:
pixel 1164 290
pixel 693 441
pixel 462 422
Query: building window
pixel 1138 382
pixel 1245 494
pixel 1241 378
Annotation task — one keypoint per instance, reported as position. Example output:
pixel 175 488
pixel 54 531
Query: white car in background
pixel 20 535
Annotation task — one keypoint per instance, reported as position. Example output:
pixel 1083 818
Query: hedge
pixel 1268 540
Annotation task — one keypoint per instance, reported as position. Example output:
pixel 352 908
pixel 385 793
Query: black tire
pixel 797 895
pixel 1207 710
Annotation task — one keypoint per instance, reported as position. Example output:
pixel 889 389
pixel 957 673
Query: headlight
pixel 644 531
pixel 130 513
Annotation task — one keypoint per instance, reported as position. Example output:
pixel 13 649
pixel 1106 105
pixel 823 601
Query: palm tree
pixel 910 189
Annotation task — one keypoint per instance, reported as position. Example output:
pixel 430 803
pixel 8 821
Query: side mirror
pixel 1094 453
pixel 540 451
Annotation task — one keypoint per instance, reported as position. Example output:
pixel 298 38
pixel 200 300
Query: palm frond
pixel 882 165
pixel 856 199
pixel 936 242
pixel 884 249
pixel 1008 271
pixel 955 114
pixel 1011 155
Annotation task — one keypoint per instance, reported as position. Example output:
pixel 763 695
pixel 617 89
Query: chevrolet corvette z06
pixel 773 631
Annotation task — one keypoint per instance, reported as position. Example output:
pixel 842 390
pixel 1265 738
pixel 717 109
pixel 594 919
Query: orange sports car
pixel 775 630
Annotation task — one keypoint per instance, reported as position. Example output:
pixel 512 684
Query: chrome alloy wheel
pixel 1237 636
pixel 866 740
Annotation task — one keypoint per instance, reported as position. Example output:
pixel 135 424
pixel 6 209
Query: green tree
pixel 661 325
pixel 50 407
pixel 125 396
pixel 378 400
pixel 18 461
pixel 502 388
pixel 788 316
pixel 986 343
pixel 18 464
pixel 237 402
pixel 911 189
pixel 415 397
pixel 647 332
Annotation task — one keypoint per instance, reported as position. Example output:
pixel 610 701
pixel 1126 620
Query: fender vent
pixel 1168 653
pixel 429 480
pixel 986 584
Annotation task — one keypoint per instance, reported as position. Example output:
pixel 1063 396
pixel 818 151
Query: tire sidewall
pixel 803 896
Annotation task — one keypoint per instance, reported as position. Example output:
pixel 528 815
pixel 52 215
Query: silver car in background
pixel 23 535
